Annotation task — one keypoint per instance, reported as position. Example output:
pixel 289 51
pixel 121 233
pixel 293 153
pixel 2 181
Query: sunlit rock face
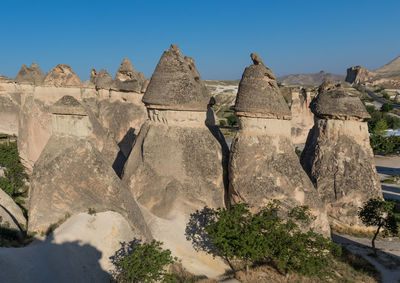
pixel 26 101
pixel 178 164
pixel 302 117
pixel 73 173
pixel 338 156
pixel 263 165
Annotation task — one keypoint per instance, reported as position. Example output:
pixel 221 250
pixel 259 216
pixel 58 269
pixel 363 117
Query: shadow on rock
pixel 196 233
pixel 46 261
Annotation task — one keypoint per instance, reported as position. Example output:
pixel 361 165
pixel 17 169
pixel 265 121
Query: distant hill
pixel 391 68
pixel 310 79
pixel 387 76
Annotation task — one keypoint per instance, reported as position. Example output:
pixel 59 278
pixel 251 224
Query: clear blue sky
pixel 298 36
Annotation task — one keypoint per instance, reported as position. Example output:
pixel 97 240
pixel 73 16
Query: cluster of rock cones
pixel 179 161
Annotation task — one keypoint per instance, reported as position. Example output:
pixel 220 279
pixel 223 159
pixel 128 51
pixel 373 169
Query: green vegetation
pixel 379 213
pixel 54 226
pixel 13 181
pixel 386 107
pixel 395 179
pixel 263 238
pixel 379 122
pixel 143 262
pixel 391 121
pixel 298 152
pixel 91 211
pixel 232 121
pixel 385 145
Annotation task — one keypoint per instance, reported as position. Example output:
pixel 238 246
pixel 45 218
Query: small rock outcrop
pixel 357 75
pixel 62 76
pixel 11 216
pixel 79 250
pixel 31 75
pixel 338 156
pixel 101 79
pixel 72 175
pixel 177 164
pixel 127 79
pixel 263 165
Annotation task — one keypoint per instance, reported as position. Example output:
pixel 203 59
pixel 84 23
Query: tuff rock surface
pixel 62 76
pixel 338 156
pixel 72 175
pixel 176 84
pixel 263 165
pixel 11 215
pixel 178 164
pixel 77 251
pixel 31 75
pixel 127 79
pixel 302 117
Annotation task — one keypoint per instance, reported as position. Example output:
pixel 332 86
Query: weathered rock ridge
pixel 388 76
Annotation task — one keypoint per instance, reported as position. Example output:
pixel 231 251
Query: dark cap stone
pixel 259 94
pixel 176 84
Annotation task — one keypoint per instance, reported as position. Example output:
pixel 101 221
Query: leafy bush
pixel 379 213
pixel 222 123
pixel 385 95
pixel 385 145
pixel 232 120
pixel 386 107
pixel 380 128
pixel 392 122
pixel 263 237
pixel 13 182
pixel 143 262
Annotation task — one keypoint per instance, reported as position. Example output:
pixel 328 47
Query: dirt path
pixel 388 260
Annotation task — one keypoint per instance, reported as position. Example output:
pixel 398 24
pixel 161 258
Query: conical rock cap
pixel 68 105
pixel 333 102
pixel 176 84
pixel 259 94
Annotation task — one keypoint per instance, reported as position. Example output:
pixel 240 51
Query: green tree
pixel 263 237
pixel 232 120
pixel 379 213
pixel 13 181
pixel 386 107
pixel 380 128
pixel 144 262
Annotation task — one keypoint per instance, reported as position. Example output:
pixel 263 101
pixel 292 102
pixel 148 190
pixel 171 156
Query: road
pixel 381 100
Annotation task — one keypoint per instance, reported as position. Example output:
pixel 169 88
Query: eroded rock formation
pixel 72 175
pixel 178 163
pixel 338 157
pixel 62 76
pixel 302 117
pixel 388 76
pixel 127 79
pixel 31 75
pixel 263 165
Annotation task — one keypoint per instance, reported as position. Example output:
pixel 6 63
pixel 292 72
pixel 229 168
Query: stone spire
pixel 259 94
pixel 263 165
pixel 333 102
pixel 176 84
pixel 32 75
pixel 101 79
pixel 62 76
pixel 338 156
pixel 127 79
